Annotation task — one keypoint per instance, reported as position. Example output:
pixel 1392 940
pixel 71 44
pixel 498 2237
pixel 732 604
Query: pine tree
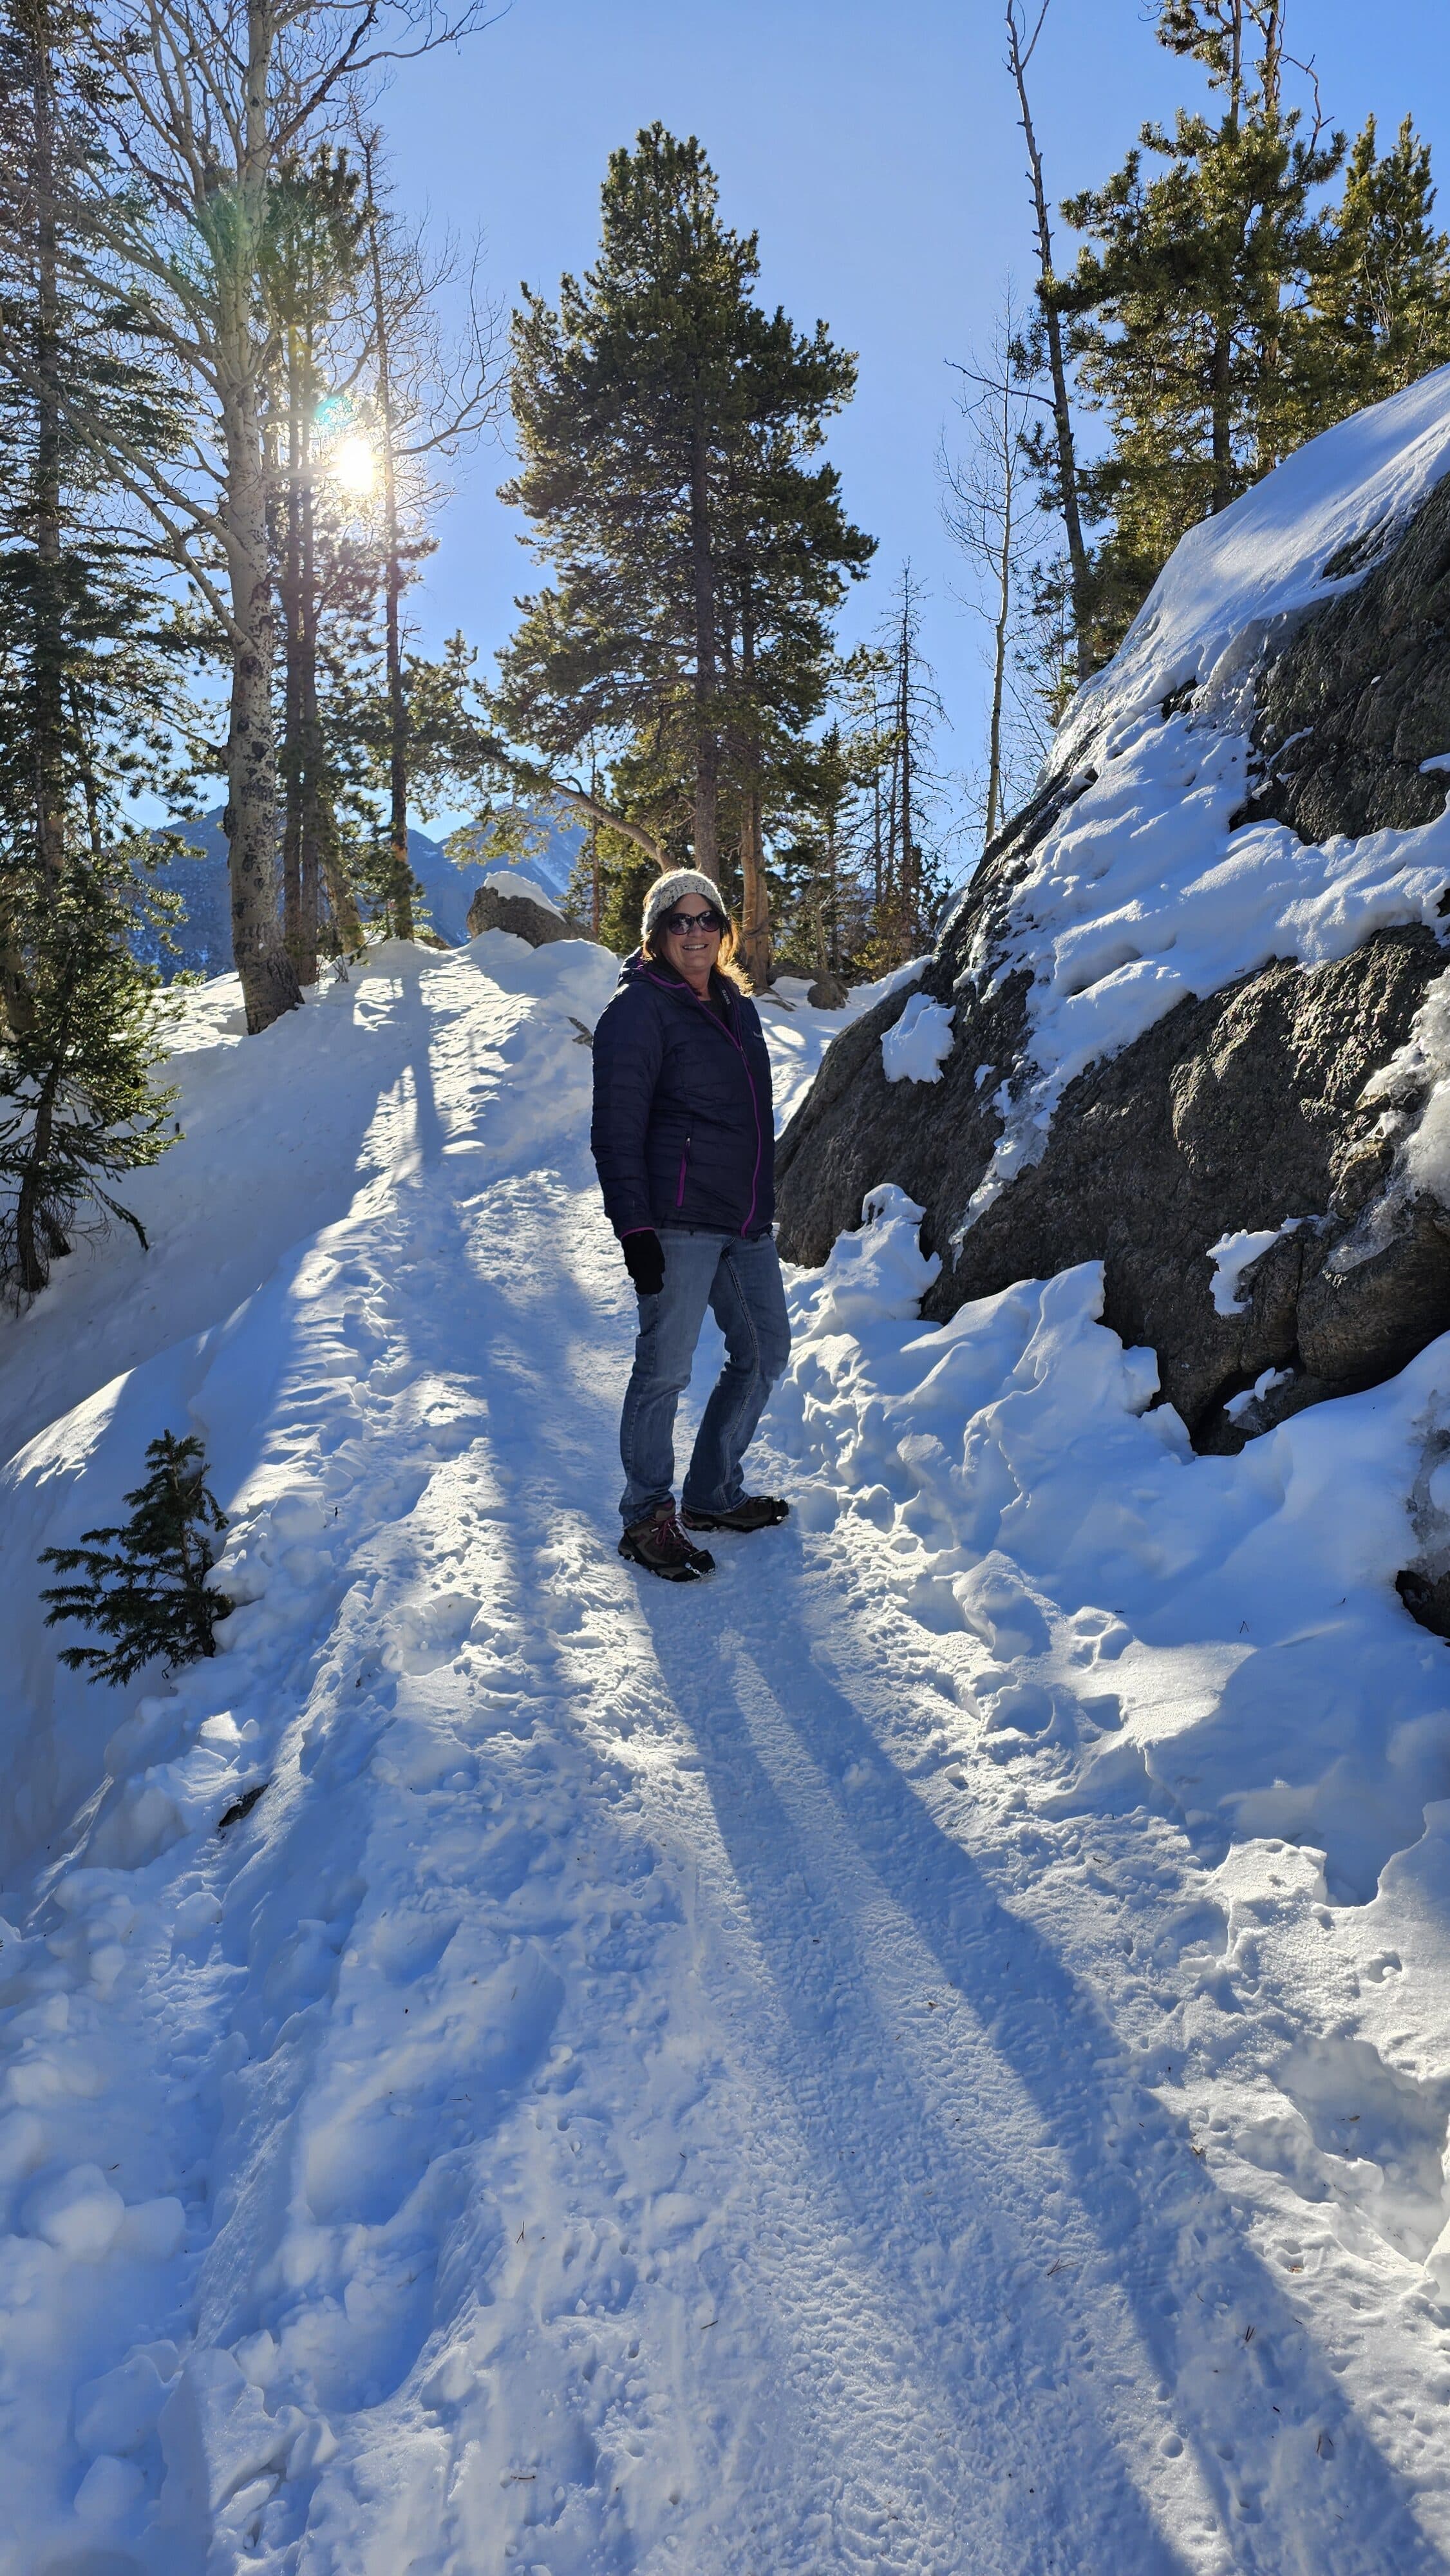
pixel 88 688
pixel 1183 317
pixel 787 554
pixel 87 667
pixel 371 398
pixel 823 859
pixel 665 419
pixel 145 1583
pixel 77 1106
pixel 1378 312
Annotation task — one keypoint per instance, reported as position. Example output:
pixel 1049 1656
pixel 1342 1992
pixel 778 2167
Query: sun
pixel 353 465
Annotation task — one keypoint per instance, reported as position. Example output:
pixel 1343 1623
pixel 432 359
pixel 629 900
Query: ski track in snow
pixel 771 2077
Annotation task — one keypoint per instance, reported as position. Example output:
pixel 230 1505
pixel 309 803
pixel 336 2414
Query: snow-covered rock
pixel 1191 983
pixel 514 903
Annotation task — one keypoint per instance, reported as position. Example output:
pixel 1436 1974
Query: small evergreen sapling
pixel 145 1582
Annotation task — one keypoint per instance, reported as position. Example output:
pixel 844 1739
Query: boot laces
pixel 669 1538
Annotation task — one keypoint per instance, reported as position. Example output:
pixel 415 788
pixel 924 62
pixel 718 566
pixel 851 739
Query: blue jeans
pixel 741 1283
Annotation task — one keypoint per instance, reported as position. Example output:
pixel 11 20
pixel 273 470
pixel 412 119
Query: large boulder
pixel 1193 993
pixel 520 909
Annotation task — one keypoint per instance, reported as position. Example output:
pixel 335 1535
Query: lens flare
pixel 353 465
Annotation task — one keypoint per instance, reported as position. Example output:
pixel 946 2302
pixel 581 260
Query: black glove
pixel 644 1259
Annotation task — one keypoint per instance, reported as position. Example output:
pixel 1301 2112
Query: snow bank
pixel 1022 1429
pixel 1141 893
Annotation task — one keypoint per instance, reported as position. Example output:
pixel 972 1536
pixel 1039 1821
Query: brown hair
pixel 725 963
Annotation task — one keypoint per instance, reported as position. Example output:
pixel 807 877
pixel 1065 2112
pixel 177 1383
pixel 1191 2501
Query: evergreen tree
pixel 87 667
pixel 1184 318
pixel 370 398
pixel 625 877
pixel 87 675
pixel 396 556
pixel 456 754
pixel 787 554
pixel 665 421
pixel 823 860
pixel 145 1583
pixel 1379 304
pixel 427 398
pixel 77 1106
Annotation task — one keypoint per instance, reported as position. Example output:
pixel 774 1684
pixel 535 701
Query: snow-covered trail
pixel 658 2079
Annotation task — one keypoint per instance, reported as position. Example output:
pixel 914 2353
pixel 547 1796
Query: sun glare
pixel 353 465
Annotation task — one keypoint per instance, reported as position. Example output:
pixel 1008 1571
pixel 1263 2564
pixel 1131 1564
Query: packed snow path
pixel 783 2075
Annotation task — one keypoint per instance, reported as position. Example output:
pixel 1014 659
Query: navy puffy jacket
pixel 683 1129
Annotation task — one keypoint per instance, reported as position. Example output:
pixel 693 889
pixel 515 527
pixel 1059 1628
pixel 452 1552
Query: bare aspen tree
pixel 211 101
pixel 1020 49
pixel 400 875
pixel 992 512
pixel 311 267
pixel 429 402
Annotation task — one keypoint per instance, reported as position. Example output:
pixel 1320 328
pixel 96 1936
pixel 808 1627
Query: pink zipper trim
pixel 726 1032
pixel 680 1192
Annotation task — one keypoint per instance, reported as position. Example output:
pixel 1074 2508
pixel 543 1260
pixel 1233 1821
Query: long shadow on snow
pixel 848 2077
pixel 1137 2184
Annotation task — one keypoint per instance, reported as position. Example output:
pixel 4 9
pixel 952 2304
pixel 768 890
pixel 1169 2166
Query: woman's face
pixel 690 935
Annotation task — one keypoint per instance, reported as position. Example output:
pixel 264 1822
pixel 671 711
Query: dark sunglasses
pixel 679 922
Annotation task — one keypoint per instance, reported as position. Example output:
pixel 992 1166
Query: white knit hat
pixel 665 893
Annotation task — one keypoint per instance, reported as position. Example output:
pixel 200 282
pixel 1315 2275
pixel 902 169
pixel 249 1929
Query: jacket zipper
pixel 727 1032
pixel 684 1159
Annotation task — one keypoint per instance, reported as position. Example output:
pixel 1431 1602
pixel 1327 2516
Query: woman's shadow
pixel 764 1710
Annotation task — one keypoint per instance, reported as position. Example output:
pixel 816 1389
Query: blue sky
pixel 873 148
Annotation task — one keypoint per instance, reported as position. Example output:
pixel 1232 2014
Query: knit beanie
pixel 665 893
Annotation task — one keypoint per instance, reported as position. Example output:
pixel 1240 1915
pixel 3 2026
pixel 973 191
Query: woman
pixel 685 1147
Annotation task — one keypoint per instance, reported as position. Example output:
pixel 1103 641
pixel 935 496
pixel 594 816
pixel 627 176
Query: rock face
pixel 518 914
pixel 1359 699
pixel 1292 1092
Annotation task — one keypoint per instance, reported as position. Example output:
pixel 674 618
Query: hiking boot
pixel 661 1547
pixel 752 1512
